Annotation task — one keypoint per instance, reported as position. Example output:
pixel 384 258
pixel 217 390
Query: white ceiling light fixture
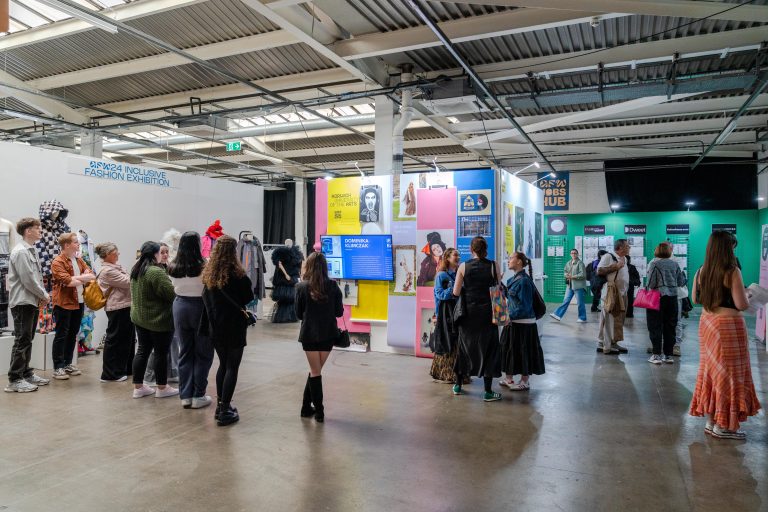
pixel 77 13
pixel 538 166
pixel 362 174
pixel 550 175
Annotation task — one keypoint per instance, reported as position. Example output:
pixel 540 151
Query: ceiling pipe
pixel 491 97
pixel 406 114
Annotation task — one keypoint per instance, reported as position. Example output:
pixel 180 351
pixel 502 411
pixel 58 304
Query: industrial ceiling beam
pixel 49 106
pixel 762 85
pixel 490 98
pixel 677 8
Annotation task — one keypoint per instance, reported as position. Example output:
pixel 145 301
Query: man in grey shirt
pixel 25 283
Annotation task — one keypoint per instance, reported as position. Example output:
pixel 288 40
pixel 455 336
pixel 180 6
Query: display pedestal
pixel 42 349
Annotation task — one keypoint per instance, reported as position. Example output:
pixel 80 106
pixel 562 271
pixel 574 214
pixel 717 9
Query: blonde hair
pixel 67 238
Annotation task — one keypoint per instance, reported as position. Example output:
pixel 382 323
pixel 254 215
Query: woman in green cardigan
pixel 576 279
pixel 152 298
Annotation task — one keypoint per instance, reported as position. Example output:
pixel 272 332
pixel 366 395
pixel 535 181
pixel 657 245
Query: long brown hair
pixel 443 264
pixel 526 262
pixel 316 274
pixel 223 263
pixel 719 265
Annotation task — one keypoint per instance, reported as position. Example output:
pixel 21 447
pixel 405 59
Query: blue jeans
pixel 579 300
pixel 195 351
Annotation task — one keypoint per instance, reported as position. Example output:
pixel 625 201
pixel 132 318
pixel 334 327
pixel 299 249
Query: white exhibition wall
pixel 521 194
pixel 127 213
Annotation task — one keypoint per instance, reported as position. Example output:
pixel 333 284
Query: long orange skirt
pixel 724 387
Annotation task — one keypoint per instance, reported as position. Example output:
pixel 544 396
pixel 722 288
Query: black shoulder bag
pixel 249 317
pixel 342 338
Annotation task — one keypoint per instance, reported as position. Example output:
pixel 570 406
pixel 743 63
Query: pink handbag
pixel 648 299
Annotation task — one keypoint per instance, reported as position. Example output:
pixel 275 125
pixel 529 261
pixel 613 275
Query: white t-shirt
pixel 622 277
pixel 77 273
pixel 188 286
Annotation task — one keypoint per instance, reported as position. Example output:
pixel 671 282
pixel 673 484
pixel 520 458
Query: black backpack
pixel 634 275
pixel 599 281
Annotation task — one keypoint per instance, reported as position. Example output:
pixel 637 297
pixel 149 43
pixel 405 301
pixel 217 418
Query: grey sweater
pixel 664 274
pixel 25 277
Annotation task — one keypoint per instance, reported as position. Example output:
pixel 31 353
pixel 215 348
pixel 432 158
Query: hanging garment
pixel 212 234
pixel 252 259
pixel 85 335
pixel 52 216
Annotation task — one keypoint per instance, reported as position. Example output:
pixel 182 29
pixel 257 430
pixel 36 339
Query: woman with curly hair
pixel 226 293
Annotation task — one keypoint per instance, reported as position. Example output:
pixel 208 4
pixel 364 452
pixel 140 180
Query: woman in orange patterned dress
pixel 724 390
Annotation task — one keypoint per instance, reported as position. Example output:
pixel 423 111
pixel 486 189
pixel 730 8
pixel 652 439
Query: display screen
pixel 367 257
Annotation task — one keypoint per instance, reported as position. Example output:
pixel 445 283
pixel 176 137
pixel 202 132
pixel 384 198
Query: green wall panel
pixel 747 222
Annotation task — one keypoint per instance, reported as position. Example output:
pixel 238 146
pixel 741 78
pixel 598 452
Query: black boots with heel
pixel 307 411
pixel 316 391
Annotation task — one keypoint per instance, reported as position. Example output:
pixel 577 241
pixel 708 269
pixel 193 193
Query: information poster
pixel 371 301
pixel 425 323
pixel 761 317
pixel 476 189
pixel 344 206
pixel 556 190
pixel 509 230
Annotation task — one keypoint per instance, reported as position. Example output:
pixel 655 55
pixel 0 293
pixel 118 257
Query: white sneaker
pixel 60 374
pixel 668 359
pixel 722 433
pixel 186 403
pixel 37 380
pixel 166 392
pixel 72 370
pixel 200 402
pixel 580 321
pixel 555 316
pixel 143 391
pixel 20 386
pixel 655 359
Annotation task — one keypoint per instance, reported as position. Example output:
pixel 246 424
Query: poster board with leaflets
pixel 760 324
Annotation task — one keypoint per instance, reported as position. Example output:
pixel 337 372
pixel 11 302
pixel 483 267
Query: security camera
pixel 594 22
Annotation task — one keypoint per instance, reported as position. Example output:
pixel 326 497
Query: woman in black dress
pixel 478 336
pixel 287 262
pixel 227 291
pixel 318 305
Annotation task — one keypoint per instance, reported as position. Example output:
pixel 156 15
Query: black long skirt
pixel 521 352
pixel 478 344
pixel 285 308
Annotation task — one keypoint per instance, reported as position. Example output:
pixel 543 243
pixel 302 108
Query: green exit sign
pixel 234 146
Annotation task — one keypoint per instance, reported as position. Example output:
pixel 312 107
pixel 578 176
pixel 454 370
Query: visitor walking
pixel 613 267
pixel 151 312
pixel 196 350
pixel 724 389
pixel 478 336
pixel 664 275
pixel 576 281
pixel 115 284
pixel 521 352
pixel 318 304
pixel 70 274
pixel 27 296
pixel 446 335
pixel 226 293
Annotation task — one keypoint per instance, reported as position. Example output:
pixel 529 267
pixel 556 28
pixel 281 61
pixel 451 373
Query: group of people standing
pixel 467 342
pixel 199 302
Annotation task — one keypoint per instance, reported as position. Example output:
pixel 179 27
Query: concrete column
pixel 385 124
pixel 301 216
pixel 90 144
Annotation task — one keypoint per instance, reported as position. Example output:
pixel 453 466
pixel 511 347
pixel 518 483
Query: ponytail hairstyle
pixel 316 274
pixel 444 261
pixel 146 259
pixel 526 262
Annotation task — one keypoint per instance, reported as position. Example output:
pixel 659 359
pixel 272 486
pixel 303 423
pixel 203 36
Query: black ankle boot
pixel 218 409
pixel 316 390
pixel 228 415
pixel 307 411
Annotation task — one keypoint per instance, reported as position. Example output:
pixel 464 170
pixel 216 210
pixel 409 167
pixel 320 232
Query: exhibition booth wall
pixel 122 203
pixel 688 231
pixel 418 215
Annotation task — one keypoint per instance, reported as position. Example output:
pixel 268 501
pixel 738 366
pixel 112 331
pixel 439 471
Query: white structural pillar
pixel 385 124
pixel 90 144
pixel 301 215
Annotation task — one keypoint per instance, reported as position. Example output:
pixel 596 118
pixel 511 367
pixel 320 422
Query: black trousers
pixel 65 339
pixel 662 325
pixel 148 341
pixel 630 313
pixel 118 344
pixel 596 297
pixel 24 323
pixel 229 366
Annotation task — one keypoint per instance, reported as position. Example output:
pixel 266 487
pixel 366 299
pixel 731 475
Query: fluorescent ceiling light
pixel 262 155
pixel 77 13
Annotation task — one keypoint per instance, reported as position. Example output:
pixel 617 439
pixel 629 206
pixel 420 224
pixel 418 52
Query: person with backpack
pixel 613 267
pixel 596 282
pixel 575 277
pixel 634 282
pixel 521 352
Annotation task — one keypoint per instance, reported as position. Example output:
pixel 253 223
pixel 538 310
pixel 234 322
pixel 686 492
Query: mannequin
pixel 212 234
pixel 287 260
pixel 7 242
pixel 52 219
pixel 171 239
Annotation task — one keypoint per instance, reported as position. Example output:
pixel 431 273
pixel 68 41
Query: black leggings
pixel 226 376
pixel 487 381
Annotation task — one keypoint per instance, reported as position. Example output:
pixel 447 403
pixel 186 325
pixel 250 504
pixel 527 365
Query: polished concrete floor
pixel 595 433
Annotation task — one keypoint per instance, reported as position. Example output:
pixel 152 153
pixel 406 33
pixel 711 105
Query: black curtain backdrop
pixel 716 184
pixel 310 217
pixel 280 214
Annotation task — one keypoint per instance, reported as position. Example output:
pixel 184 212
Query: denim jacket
pixel 520 296
pixel 444 287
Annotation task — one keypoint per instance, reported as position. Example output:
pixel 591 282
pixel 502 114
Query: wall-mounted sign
pixel 731 228
pixel 123 172
pixel 234 146
pixel 557 225
pixel 555 190
pixel 678 229
pixel 635 229
pixel 594 230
